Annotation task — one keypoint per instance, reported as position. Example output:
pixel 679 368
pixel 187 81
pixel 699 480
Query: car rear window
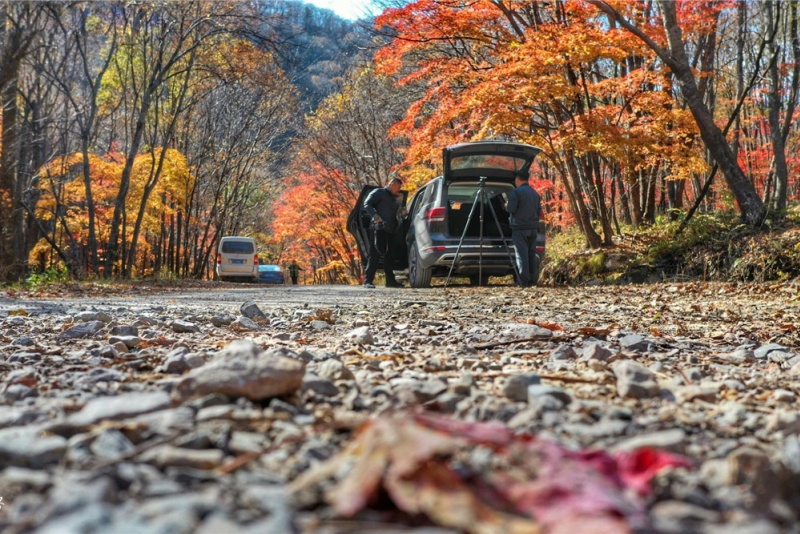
pixel 486 161
pixel 237 247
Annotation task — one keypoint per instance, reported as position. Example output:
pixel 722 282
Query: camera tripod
pixel 482 199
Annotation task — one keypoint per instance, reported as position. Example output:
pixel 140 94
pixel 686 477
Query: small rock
pixel 320 386
pixel 124 330
pixel 89 316
pixel 634 380
pixel 739 356
pixel 334 370
pixel 783 395
pixel 690 393
pixel 251 310
pixel 222 320
pixel 130 342
pixel 783 421
pixel 179 326
pixel 361 335
pixel 595 351
pixel 243 369
pixel 634 342
pixel 563 352
pixel 80 330
pixel 753 467
pixel 537 390
pixel 516 387
pixel 763 351
pixel 28 447
pixel 113 408
pixel 170 456
pixel 111 444
pixel 243 323
pixel 673 440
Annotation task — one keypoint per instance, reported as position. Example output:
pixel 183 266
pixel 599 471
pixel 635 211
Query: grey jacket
pixel 524 207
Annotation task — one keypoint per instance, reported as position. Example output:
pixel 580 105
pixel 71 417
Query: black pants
pixel 381 243
pixel 294 279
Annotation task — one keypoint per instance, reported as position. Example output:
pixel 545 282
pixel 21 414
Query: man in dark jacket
pixel 524 208
pixel 294 272
pixel 383 205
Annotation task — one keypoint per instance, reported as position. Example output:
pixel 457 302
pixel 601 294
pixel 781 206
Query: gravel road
pixel 655 408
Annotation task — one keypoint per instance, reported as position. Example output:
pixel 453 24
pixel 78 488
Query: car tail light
pixel 435 214
pixel 219 258
pixel 255 260
pixel 539 249
pixel 436 249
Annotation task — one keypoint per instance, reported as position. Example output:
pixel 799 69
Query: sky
pixel 347 9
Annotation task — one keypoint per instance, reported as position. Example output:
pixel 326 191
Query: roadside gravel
pixel 237 409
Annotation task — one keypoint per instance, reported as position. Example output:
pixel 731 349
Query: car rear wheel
pixel 418 276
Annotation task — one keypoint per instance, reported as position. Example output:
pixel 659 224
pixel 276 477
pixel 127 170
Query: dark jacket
pixel 382 202
pixel 524 207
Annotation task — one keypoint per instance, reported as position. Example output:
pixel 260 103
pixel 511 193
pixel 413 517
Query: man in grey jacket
pixel 524 208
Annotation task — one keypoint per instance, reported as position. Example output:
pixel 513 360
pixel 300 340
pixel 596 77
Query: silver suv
pixel 443 227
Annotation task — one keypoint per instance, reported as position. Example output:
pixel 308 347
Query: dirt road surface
pixel 230 408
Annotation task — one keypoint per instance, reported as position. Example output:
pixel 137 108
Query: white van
pixel 237 259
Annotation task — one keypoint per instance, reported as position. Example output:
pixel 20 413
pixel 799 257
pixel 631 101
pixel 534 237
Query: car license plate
pixel 238 262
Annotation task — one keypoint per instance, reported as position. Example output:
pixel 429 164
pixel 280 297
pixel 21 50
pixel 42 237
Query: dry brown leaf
pixel 592 331
pixel 544 324
pixel 655 331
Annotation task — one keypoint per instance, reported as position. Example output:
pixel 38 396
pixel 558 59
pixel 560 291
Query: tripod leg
pixel 461 241
pixel 481 197
pixel 511 257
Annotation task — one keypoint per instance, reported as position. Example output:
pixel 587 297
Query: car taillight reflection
pixel 435 214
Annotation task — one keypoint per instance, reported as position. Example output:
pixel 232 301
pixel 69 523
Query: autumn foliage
pixel 63 200
pixel 310 224
pixel 619 144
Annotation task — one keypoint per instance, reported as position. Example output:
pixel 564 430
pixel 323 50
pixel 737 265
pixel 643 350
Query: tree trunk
pixel 779 151
pixel 10 228
pixel 579 206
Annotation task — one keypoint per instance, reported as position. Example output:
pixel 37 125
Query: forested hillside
pixel 134 136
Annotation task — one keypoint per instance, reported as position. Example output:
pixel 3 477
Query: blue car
pixel 270 274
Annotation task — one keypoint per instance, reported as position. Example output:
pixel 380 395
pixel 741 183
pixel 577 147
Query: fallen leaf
pixel 544 324
pixel 591 331
pixel 421 462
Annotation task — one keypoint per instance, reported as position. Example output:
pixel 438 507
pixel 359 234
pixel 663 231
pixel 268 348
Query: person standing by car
pixel 524 208
pixel 294 272
pixel 383 205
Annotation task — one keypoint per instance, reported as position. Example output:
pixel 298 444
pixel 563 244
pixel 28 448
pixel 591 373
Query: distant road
pixel 229 299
